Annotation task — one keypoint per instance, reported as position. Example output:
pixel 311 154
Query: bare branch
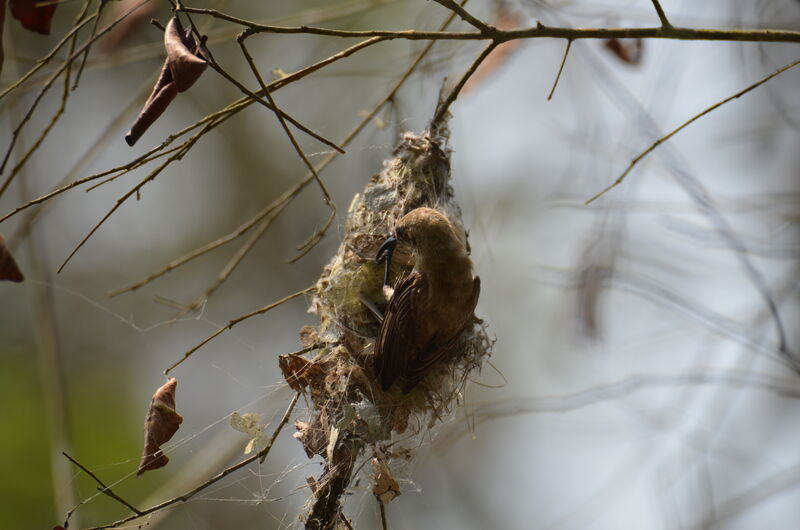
pixel 444 106
pixel 560 69
pixel 234 322
pixel 103 488
pixel 538 31
pixel 261 456
pixel 694 118
pixel 483 27
pixel 661 15
pixel 328 200
pixel 67 63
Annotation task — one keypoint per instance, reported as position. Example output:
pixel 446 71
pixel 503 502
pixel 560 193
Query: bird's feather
pixel 406 346
pixel 398 336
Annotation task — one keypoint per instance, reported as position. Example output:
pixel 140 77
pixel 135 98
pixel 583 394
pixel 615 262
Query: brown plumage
pixel 431 306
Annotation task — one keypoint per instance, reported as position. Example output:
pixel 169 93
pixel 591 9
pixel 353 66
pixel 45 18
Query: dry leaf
pixel 628 51
pixel 333 439
pixel 298 371
pixel 9 270
pixel 31 17
pixel 160 426
pixel 312 484
pixel 248 423
pixel 386 488
pixel 308 336
pixel 312 436
pixel 184 64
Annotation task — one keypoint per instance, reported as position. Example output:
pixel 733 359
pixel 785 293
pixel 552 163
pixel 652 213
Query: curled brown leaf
pixel 184 64
pixel 160 426
pixel 9 270
pixel 299 372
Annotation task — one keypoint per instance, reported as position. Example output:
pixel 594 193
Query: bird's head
pixel 425 230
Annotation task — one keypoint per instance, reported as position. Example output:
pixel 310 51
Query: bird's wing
pixel 440 347
pixel 398 334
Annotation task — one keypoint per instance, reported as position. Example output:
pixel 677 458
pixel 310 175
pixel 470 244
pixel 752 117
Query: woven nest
pixel 350 412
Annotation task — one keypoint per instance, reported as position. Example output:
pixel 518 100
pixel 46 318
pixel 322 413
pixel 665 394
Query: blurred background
pixel 637 378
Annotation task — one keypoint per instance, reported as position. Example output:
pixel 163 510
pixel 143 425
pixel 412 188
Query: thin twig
pixel 694 118
pixel 241 230
pixel 135 191
pixel 126 168
pixel 86 52
pixel 465 15
pixel 261 456
pixel 560 69
pixel 213 120
pixel 444 106
pixel 46 58
pixel 249 58
pixel 276 206
pixel 538 31
pixel 234 322
pixel 271 107
pixel 51 80
pixel 103 488
pixel 382 507
pixel 306 246
pixel 63 104
pixel 661 15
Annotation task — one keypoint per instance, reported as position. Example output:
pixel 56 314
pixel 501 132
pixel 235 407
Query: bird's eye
pixel 401 233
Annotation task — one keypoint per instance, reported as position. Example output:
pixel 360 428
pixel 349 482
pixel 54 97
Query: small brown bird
pixel 431 306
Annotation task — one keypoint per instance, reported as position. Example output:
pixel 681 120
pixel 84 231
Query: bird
pixel 431 306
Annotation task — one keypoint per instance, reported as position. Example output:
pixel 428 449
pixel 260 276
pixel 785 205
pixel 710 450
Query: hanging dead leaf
pixel 628 51
pixel 386 488
pixel 184 64
pixel 32 15
pixel 298 371
pixel 160 426
pixel 9 270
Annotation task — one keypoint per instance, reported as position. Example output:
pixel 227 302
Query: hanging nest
pixel 350 413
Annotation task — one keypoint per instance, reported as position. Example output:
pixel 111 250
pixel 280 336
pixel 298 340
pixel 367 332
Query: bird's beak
pixel 385 254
